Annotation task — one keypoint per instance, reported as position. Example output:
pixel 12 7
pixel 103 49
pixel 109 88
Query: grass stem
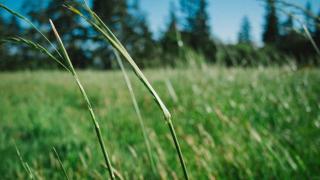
pixel 109 37
pixel 84 94
pixel 137 109
pixel 60 162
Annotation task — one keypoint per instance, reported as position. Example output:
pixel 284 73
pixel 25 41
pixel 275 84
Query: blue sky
pixel 225 15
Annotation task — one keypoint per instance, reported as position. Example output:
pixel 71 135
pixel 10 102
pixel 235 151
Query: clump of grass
pixel 109 37
pixel 63 57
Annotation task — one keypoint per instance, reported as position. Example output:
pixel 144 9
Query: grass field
pixel 231 123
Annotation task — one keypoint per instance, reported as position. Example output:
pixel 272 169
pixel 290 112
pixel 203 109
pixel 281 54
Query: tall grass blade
pixel 84 94
pixel 18 15
pixel 35 46
pixel 65 57
pixel 137 109
pixel 60 162
pixel 102 28
pixel 24 164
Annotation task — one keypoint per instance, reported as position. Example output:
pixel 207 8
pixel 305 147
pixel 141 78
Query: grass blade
pixel 24 164
pixel 102 28
pixel 84 94
pixel 137 109
pixel 36 46
pixel 61 165
pixel 18 15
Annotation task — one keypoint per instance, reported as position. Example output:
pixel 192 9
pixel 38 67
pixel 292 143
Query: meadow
pixel 232 123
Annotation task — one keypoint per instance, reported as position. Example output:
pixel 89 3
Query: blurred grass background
pixel 238 123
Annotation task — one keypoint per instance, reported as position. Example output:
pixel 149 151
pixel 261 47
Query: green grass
pixel 231 123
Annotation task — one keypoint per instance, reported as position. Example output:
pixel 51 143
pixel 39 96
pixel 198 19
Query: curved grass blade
pixel 33 45
pixel 84 94
pixel 18 15
pixel 100 26
pixel 60 162
pixel 23 163
pixel 137 109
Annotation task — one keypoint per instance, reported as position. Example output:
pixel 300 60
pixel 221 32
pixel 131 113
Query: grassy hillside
pixel 231 123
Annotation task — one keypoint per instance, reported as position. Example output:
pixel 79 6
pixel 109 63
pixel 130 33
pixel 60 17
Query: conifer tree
pixel 113 13
pixel 317 29
pixel 138 36
pixel 287 26
pixel 244 35
pixel 271 28
pixel 169 40
pixel 308 18
pixel 196 27
pixel 2 51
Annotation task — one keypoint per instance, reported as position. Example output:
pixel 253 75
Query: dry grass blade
pixel 84 94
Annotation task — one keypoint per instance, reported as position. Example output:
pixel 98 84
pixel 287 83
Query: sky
pixel 225 15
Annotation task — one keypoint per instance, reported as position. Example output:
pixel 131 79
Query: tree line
pixel 187 36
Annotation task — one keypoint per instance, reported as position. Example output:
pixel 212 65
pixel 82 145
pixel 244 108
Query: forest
pixel 284 39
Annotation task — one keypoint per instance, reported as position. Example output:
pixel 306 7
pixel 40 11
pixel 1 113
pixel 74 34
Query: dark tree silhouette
pixel 169 40
pixel 307 17
pixel 137 35
pixel 288 26
pixel 113 13
pixel 271 28
pixel 317 29
pixel 196 27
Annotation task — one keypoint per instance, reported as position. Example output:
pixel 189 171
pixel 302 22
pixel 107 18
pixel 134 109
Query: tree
pixel 307 16
pixel 2 51
pixel 11 56
pixel 137 35
pixel 196 27
pixel 271 28
pixel 130 25
pixel 113 13
pixel 294 43
pixel 288 26
pixel 169 40
pixel 244 35
pixel 2 25
pixel 317 29
pixel 68 25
